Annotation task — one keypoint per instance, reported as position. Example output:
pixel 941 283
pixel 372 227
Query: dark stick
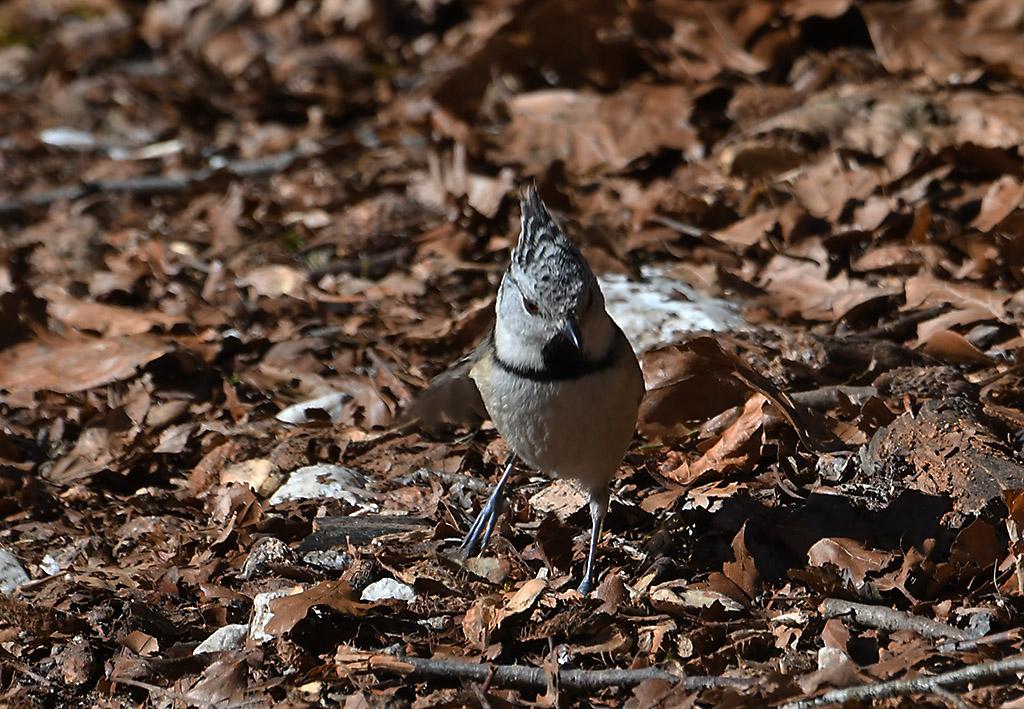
pixel 153 184
pixel 535 678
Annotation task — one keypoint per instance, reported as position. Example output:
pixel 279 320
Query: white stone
pixel 661 309
pixel 230 637
pixel 388 589
pixel 322 481
pixel 261 613
pixel 12 573
pixel 332 403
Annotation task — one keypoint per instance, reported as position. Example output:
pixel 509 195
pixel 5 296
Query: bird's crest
pixel 544 251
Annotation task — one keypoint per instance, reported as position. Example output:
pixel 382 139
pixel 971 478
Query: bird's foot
pixel 479 534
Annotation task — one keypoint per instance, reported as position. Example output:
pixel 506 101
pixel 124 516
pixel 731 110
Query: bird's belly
pixel 576 428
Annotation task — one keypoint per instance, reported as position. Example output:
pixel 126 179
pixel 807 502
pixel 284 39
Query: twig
pixel 368 266
pixel 28 585
pixel 808 425
pixel 890 619
pixel 164 692
pixel 145 185
pixel 971 643
pixel 535 678
pixel 828 397
pixel 914 685
pixel 682 228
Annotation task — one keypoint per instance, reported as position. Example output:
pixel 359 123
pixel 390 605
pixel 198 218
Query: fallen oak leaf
pixel 289 610
pixel 526 596
pixel 849 556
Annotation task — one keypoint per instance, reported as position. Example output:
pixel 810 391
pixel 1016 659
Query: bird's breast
pixel 576 428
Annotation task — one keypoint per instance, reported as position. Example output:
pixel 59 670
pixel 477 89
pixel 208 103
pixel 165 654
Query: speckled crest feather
pixel 553 263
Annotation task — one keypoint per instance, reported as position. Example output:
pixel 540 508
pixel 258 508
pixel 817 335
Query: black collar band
pixel 559 369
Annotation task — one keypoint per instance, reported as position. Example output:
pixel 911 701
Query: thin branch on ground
pixel 28 585
pixel 828 397
pixel 971 643
pixel 369 266
pixel 535 678
pixel 164 692
pixel 913 685
pixel 147 185
pixel 890 619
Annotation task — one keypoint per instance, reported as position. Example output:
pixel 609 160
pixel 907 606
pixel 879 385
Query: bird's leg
pixel 598 509
pixel 480 532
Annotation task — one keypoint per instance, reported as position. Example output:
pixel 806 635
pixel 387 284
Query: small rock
pixel 561 497
pixel 265 553
pixel 261 613
pixel 322 481
pixel 491 568
pixel 332 404
pixel 329 559
pixel 12 574
pixel 48 565
pixel 830 657
pixel 275 280
pixel 388 589
pixel 230 637
pixel 835 467
pixel 437 623
pixel 661 308
pixel 76 662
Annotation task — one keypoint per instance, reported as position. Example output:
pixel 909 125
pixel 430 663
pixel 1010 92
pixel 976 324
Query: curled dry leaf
pixel 74 363
pixel 109 320
pixel 953 348
pixel 1014 501
pixel 849 556
pixel 686 384
pixel 523 599
pixel 804 286
pixel 739 447
pixel 680 599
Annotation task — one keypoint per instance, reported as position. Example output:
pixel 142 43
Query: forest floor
pixel 238 237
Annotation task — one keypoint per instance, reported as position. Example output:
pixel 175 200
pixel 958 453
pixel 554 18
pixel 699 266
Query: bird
pixel 555 373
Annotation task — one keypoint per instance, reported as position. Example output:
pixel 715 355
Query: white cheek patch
pixel 514 346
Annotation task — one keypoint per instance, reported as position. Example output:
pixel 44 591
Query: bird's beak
pixel 572 331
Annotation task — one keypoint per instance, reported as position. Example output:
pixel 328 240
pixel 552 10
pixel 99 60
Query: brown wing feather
pixel 450 400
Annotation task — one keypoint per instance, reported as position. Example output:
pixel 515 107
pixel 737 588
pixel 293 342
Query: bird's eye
pixel 530 306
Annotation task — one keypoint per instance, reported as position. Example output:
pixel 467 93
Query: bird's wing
pixel 450 400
